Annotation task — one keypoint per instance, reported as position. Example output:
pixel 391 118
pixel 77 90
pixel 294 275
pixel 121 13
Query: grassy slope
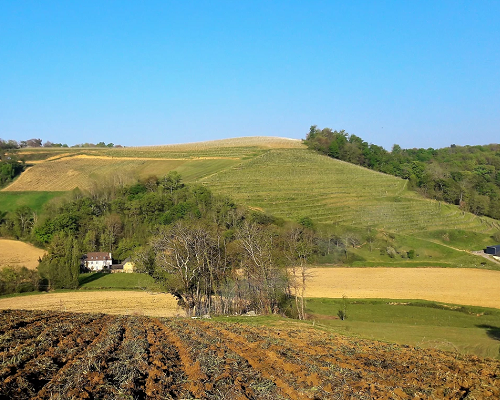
pixel 471 330
pixel 65 169
pixel 117 281
pixel 9 201
pixel 293 183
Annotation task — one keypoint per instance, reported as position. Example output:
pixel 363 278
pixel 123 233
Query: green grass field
pixel 99 280
pixel 9 201
pixel 472 330
pixel 467 330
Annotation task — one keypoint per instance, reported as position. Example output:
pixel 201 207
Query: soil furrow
pixel 266 362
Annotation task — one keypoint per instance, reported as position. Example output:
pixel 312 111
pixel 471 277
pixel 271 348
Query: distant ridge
pixel 258 141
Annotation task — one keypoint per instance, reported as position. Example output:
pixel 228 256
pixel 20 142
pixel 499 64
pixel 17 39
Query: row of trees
pixel 14 144
pixel 256 267
pixel 10 167
pixel 468 176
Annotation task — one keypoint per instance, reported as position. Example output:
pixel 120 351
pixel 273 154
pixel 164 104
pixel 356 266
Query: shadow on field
pixel 492 331
pixel 90 278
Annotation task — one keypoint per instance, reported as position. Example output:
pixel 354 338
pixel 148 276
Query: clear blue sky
pixel 417 73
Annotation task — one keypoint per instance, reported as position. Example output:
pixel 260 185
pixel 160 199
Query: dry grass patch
pixel 108 302
pixel 16 253
pixel 82 171
pixel 258 141
pixel 448 285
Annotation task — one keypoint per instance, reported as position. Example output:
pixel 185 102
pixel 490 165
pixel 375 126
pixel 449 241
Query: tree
pixel 34 143
pixel 192 255
pixel 60 267
pixel 113 229
pixel 299 247
pixel 25 218
pixel 172 181
pixel 267 279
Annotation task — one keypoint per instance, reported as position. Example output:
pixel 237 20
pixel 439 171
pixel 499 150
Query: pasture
pixel 10 201
pixel 102 280
pixel 472 287
pixel 468 330
pixel 19 254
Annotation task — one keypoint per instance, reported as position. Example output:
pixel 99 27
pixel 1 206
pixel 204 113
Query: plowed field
pixel 63 355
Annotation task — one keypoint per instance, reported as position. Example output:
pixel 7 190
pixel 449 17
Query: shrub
pixel 391 252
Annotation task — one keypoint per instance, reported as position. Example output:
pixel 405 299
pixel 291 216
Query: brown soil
pixel 60 355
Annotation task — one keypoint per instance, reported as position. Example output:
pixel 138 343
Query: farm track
pixel 97 356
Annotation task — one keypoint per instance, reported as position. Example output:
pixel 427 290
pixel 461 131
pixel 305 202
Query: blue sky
pixel 417 73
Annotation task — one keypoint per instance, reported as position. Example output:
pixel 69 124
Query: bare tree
pixel 299 247
pixel 267 280
pixel 193 255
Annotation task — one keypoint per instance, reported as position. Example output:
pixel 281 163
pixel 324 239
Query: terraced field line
pixel 85 156
pixel 465 286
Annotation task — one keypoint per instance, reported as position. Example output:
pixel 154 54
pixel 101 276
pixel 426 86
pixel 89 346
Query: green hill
pixel 294 183
pixel 281 177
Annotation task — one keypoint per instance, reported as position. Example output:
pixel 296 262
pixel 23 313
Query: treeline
pixel 14 144
pixel 467 176
pixel 215 256
pixel 18 280
pixel 10 167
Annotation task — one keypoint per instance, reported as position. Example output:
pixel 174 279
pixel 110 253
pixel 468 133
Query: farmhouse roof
pixel 98 255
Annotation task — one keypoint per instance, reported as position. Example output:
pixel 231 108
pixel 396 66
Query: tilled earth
pixel 68 355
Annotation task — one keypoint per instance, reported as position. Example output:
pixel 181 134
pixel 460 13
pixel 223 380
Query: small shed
pixel 493 250
pixel 116 268
pixel 128 266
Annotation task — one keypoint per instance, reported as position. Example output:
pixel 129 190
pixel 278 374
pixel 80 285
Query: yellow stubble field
pixel 465 286
pixel 108 302
pixel 16 253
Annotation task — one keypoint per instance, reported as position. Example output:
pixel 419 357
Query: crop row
pixel 63 355
pixel 295 183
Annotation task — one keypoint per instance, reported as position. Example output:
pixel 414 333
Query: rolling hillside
pixel 279 176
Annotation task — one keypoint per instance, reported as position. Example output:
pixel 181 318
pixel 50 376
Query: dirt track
pixel 450 285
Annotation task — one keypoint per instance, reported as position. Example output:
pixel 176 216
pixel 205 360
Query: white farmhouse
pixel 97 261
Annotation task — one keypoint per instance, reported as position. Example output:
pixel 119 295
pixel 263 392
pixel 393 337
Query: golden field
pixel 107 302
pixel 473 287
pixel 16 253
